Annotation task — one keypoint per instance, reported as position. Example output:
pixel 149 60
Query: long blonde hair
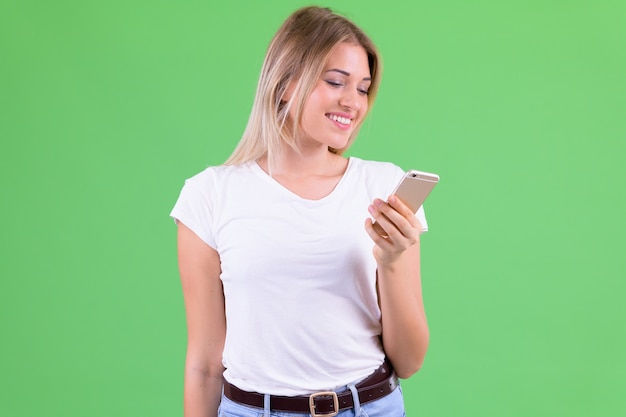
pixel 297 55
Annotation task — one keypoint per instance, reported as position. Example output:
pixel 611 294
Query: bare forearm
pixel 397 253
pixel 404 324
pixel 202 393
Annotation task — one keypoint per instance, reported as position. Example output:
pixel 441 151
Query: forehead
pixel 349 57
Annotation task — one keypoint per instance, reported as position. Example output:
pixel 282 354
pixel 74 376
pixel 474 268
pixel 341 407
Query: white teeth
pixel 342 120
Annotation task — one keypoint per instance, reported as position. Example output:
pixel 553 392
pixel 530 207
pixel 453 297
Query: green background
pixel 106 107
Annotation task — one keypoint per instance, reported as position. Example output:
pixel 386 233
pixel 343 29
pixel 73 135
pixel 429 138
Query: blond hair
pixel 297 55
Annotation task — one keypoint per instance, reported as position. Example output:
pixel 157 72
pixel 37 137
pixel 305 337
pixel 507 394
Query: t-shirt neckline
pixel 256 168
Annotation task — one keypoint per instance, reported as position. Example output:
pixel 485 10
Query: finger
pixel 378 228
pixel 382 224
pixel 382 241
pixel 407 213
pixel 375 207
pixel 403 229
pixel 396 223
pixel 377 216
pixel 389 228
pixel 399 205
pixel 403 209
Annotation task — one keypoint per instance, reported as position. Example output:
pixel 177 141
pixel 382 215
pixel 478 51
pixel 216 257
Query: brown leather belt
pixel 322 404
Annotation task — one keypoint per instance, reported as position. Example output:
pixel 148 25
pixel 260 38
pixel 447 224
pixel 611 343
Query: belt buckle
pixel 312 398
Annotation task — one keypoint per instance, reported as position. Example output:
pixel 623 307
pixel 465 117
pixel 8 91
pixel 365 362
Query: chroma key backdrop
pixel 520 106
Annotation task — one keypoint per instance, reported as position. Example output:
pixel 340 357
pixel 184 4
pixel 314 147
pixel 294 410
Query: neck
pixel 310 161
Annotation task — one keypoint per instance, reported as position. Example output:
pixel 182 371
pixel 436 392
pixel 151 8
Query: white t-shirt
pixel 299 276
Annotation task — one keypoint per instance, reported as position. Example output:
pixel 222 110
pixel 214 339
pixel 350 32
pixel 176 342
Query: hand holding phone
pixel 412 190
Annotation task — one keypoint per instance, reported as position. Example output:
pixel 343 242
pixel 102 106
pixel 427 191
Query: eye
pixel 333 83
pixel 363 91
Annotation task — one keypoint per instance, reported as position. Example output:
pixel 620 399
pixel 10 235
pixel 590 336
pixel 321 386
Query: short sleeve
pixel 195 207
pixel 421 216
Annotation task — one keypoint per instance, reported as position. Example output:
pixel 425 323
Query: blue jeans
pixel 391 405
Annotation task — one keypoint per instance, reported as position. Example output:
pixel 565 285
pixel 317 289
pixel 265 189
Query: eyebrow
pixel 346 73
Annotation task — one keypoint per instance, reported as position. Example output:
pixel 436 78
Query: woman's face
pixel 338 102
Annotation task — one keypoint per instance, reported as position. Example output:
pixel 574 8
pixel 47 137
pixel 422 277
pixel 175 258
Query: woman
pixel 295 305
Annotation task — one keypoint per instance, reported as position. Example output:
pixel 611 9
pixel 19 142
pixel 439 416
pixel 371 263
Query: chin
pixel 339 144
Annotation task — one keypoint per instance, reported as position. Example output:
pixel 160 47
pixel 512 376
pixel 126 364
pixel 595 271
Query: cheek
pixel 316 100
pixel 314 107
pixel 365 106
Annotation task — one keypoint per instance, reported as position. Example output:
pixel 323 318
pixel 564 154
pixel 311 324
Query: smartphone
pixel 412 190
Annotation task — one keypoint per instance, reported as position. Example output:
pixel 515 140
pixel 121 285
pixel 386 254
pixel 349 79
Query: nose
pixel 351 100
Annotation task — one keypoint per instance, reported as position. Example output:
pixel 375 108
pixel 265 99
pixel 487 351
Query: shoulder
pixel 376 169
pixel 217 174
pixel 379 177
pixel 209 183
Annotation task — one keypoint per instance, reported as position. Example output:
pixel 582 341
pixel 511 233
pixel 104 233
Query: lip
pixel 342 115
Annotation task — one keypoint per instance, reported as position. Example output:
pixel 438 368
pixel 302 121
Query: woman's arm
pixel 199 266
pixel 405 329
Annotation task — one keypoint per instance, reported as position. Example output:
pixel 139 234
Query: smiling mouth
pixel 341 120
